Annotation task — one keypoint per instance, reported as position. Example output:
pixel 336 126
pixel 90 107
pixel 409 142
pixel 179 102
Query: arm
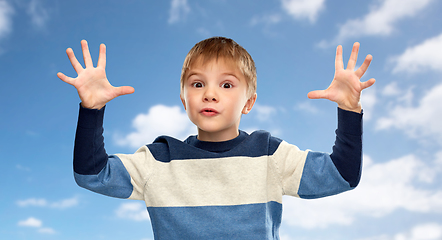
pixel 93 168
pixel 91 163
pixel 345 90
pixel 326 174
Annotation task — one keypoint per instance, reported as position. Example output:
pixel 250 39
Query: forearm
pixel 347 151
pixel 90 157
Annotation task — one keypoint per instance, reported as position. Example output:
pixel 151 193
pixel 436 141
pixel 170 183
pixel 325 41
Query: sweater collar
pixel 217 147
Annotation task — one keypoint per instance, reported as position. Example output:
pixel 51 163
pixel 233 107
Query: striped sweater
pixel 217 190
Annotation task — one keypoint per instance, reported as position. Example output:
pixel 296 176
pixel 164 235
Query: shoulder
pixel 262 142
pixel 164 148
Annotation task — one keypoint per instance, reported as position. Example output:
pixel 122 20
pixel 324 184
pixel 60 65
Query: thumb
pixel 368 83
pixel 65 78
pixel 124 90
pixel 317 94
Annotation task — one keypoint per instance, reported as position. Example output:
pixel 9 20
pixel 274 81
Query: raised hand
pixel 346 87
pixel 91 83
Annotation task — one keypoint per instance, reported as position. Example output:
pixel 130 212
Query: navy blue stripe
pixel 90 157
pixel 347 151
pixel 166 148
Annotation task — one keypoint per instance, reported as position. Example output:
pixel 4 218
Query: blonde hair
pixel 226 48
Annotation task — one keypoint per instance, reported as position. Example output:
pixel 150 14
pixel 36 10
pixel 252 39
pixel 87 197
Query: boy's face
pixel 215 96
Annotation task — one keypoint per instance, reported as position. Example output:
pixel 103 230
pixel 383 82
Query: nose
pixel 210 95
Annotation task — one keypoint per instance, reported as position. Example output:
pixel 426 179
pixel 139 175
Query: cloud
pixel 391 90
pixel 178 11
pixel 32 202
pixel 384 188
pixel 6 12
pixel 41 202
pixel 427 55
pixel 380 21
pixel 426 231
pixel 30 222
pixel 420 122
pixel 264 112
pixel 268 19
pixel 47 230
pixel 307 106
pixel 65 203
pixel 38 14
pixel 135 211
pixel 159 120
pixel 368 101
pixel 36 223
pixel 303 9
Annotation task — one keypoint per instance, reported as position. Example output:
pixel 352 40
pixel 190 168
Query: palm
pixel 91 83
pixel 346 86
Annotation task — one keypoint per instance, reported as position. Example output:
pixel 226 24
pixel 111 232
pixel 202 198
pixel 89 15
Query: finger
pixel 363 68
pixel 102 56
pixel 65 78
pixel 75 64
pixel 353 57
pixel 86 54
pixel 317 94
pixel 124 90
pixel 339 63
pixel 368 83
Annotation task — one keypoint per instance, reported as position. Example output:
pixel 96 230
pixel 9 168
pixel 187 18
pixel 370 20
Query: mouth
pixel 209 111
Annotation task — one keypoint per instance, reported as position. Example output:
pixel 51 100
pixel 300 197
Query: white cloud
pixel 39 15
pixel 46 230
pixel 41 202
pixel 421 121
pixel 380 21
pixel 268 19
pixel 36 223
pixel 178 11
pixel 65 203
pixel 203 32
pixel 264 112
pixel 307 106
pixel 427 55
pixel 32 202
pixel 31 222
pixel 303 9
pixel 368 101
pixel 427 231
pixel 135 211
pixel 384 188
pixel 392 89
pixel 159 120
pixel 5 18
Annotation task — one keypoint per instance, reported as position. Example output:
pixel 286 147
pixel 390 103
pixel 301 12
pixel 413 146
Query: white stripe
pixel 215 182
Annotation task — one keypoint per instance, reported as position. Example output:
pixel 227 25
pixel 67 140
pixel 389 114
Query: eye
pixel 197 85
pixel 227 85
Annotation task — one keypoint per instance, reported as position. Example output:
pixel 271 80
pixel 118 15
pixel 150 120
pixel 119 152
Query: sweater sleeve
pixel 347 151
pixel 326 174
pixel 94 169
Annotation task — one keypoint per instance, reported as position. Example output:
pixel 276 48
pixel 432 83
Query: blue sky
pixel 293 44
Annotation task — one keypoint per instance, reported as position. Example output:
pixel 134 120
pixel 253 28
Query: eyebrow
pixel 191 73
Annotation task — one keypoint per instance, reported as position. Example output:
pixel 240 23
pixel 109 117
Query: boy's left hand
pixel 346 86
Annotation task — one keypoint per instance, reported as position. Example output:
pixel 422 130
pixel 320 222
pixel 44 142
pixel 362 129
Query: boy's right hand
pixel 91 83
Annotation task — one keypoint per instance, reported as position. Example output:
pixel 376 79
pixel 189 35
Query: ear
pixel 249 104
pixel 183 101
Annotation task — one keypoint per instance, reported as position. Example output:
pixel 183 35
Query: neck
pixel 217 136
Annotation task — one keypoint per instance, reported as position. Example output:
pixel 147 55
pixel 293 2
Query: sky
pixel 293 43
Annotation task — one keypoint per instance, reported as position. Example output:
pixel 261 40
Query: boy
pixel 222 183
